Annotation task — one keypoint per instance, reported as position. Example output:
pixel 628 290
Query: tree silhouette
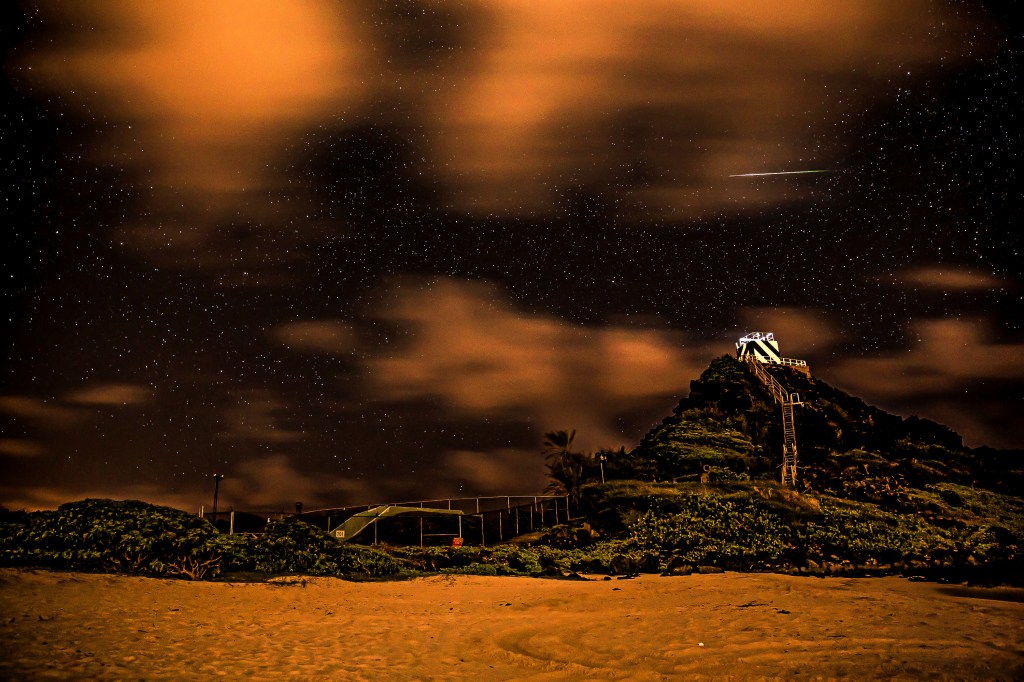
pixel 565 466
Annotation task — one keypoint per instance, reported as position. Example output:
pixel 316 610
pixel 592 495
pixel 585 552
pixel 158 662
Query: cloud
pixel 273 481
pixel 20 447
pixel 658 101
pixel 507 470
pixel 255 416
pixel 324 336
pixel 949 279
pixel 210 92
pixel 40 411
pixel 799 331
pixel 110 394
pixel 947 354
pixel 35 498
pixel 482 358
pixel 269 483
pixel 653 102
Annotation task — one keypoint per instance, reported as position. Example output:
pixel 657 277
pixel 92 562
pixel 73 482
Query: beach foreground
pixel 744 626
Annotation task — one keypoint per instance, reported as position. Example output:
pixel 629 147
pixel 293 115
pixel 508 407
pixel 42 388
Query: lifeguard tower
pixel 757 350
pixel 763 347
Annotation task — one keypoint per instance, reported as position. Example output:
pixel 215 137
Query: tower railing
pixel 787 401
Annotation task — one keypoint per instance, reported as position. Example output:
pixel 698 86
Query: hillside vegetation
pixel 878 494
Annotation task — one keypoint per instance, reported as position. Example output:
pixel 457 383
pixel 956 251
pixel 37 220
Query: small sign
pixel 339 533
pixel 456 542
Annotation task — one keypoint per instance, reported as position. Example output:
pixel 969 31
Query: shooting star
pixel 754 175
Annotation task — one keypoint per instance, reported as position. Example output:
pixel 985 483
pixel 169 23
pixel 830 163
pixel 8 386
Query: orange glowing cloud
pixel 652 103
pixel 585 92
pixel 799 330
pixel 946 354
pixel 482 357
pixel 316 336
pixel 950 279
pixel 210 91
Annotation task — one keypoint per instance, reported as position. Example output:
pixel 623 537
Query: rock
pixel 813 566
pixel 621 565
pixel 707 570
pixel 649 564
pixel 685 569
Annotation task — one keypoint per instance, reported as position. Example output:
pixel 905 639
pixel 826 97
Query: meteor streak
pixel 754 175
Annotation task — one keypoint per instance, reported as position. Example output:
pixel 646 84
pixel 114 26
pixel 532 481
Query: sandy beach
pixel 739 626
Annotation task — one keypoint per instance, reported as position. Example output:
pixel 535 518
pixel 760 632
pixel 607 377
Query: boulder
pixel 622 565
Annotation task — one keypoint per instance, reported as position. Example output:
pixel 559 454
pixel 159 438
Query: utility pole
pixel 216 490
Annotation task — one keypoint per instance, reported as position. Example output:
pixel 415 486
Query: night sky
pixel 357 252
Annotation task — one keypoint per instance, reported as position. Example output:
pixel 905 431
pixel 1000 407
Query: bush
pixel 120 536
pixel 294 547
pixel 138 538
pixel 499 560
pixel 711 528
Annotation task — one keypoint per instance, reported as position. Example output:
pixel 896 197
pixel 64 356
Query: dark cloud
pixel 352 252
pixel 943 356
pixel 254 416
pixel 20 447
pixel 321 336
pixel 463 343
pixel 109 394
pixel 950 279
pixel 45 413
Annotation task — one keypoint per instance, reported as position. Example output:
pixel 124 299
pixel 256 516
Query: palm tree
pixel 565 467
pixel 558 445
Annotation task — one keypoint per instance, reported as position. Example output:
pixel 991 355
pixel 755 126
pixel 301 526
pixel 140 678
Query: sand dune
pixel 68 625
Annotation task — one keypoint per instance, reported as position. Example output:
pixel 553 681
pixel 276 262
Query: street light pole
pixel 216 491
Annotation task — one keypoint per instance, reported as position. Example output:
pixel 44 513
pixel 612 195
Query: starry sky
pixel 356 252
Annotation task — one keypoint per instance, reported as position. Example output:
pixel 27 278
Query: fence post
pixel 231 523
pixel 202 511
pixel 483 541
pixel 501 535
pixel 568 517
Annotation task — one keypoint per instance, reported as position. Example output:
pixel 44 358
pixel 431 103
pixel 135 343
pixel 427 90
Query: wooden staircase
pixel 788 401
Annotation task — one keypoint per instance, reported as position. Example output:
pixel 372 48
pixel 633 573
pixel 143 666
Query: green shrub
pixel 139 538
pixel 119 536
pixel 711 528
pixel 861 533
pixel 294 547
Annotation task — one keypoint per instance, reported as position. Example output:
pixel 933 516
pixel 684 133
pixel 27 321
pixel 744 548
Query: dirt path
pixel 651 628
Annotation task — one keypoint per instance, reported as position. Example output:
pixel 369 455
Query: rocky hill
pixel 876 492
pixel 846 447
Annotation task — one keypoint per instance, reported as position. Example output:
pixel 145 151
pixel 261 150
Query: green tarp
pixel 359 522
